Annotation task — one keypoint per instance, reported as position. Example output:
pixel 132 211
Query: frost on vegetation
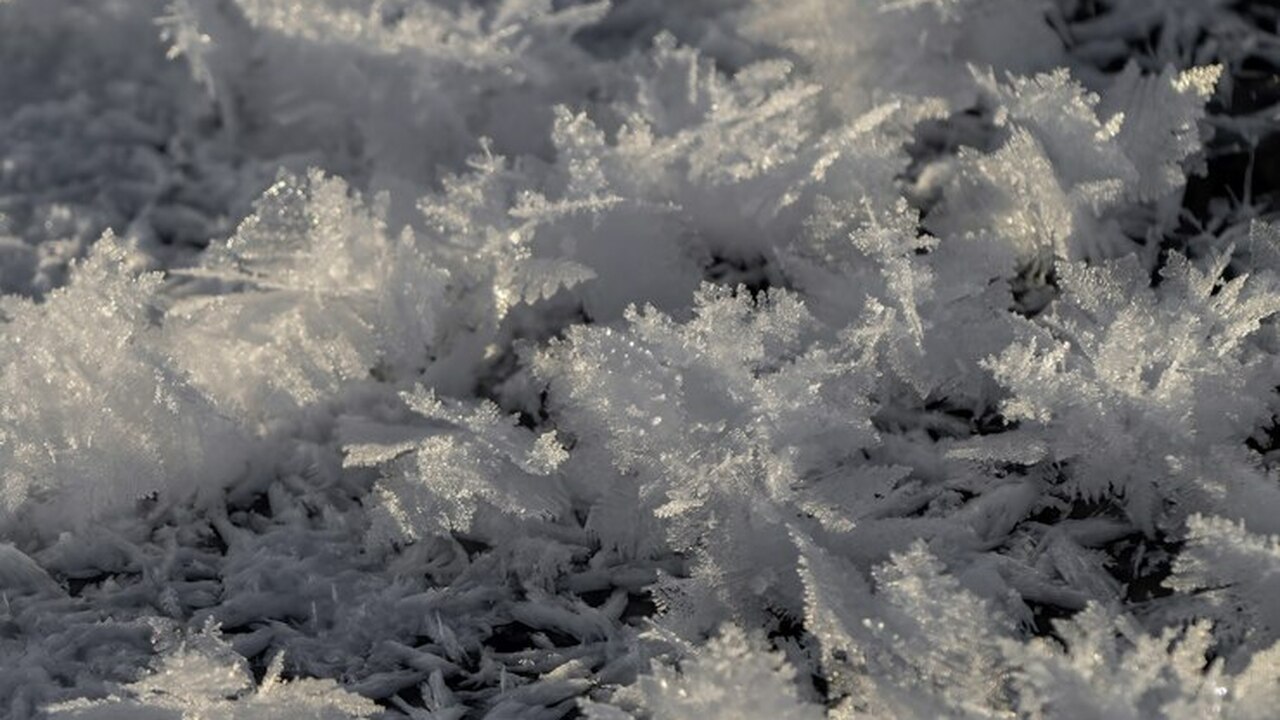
pixel 94 414
pixel 1159 130
pixel 1231 573
pixel 1057 185
pixel 914 644
pixel 919 646
pixel 734 675
pixel 480 459
pixel 867 51
pixel 879 358
pixel 749 418
pixel 1128 384
pixel 401 88
pixel 1112 669
pixel 281 330
pixel 203 677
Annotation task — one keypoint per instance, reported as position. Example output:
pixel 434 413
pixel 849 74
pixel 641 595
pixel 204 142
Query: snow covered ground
pixel 454 359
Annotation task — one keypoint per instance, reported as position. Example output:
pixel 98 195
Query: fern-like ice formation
pixel 452 359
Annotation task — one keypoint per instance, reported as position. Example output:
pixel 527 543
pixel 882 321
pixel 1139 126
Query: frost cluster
pixel 452 359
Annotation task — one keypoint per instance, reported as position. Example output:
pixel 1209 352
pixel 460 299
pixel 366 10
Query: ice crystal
pixel 746 358
pixel 95 415
pixel 483 459
pixel 732 676
pixel 297 330
pixel 204 678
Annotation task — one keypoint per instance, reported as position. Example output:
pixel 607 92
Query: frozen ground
pixel 453 359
